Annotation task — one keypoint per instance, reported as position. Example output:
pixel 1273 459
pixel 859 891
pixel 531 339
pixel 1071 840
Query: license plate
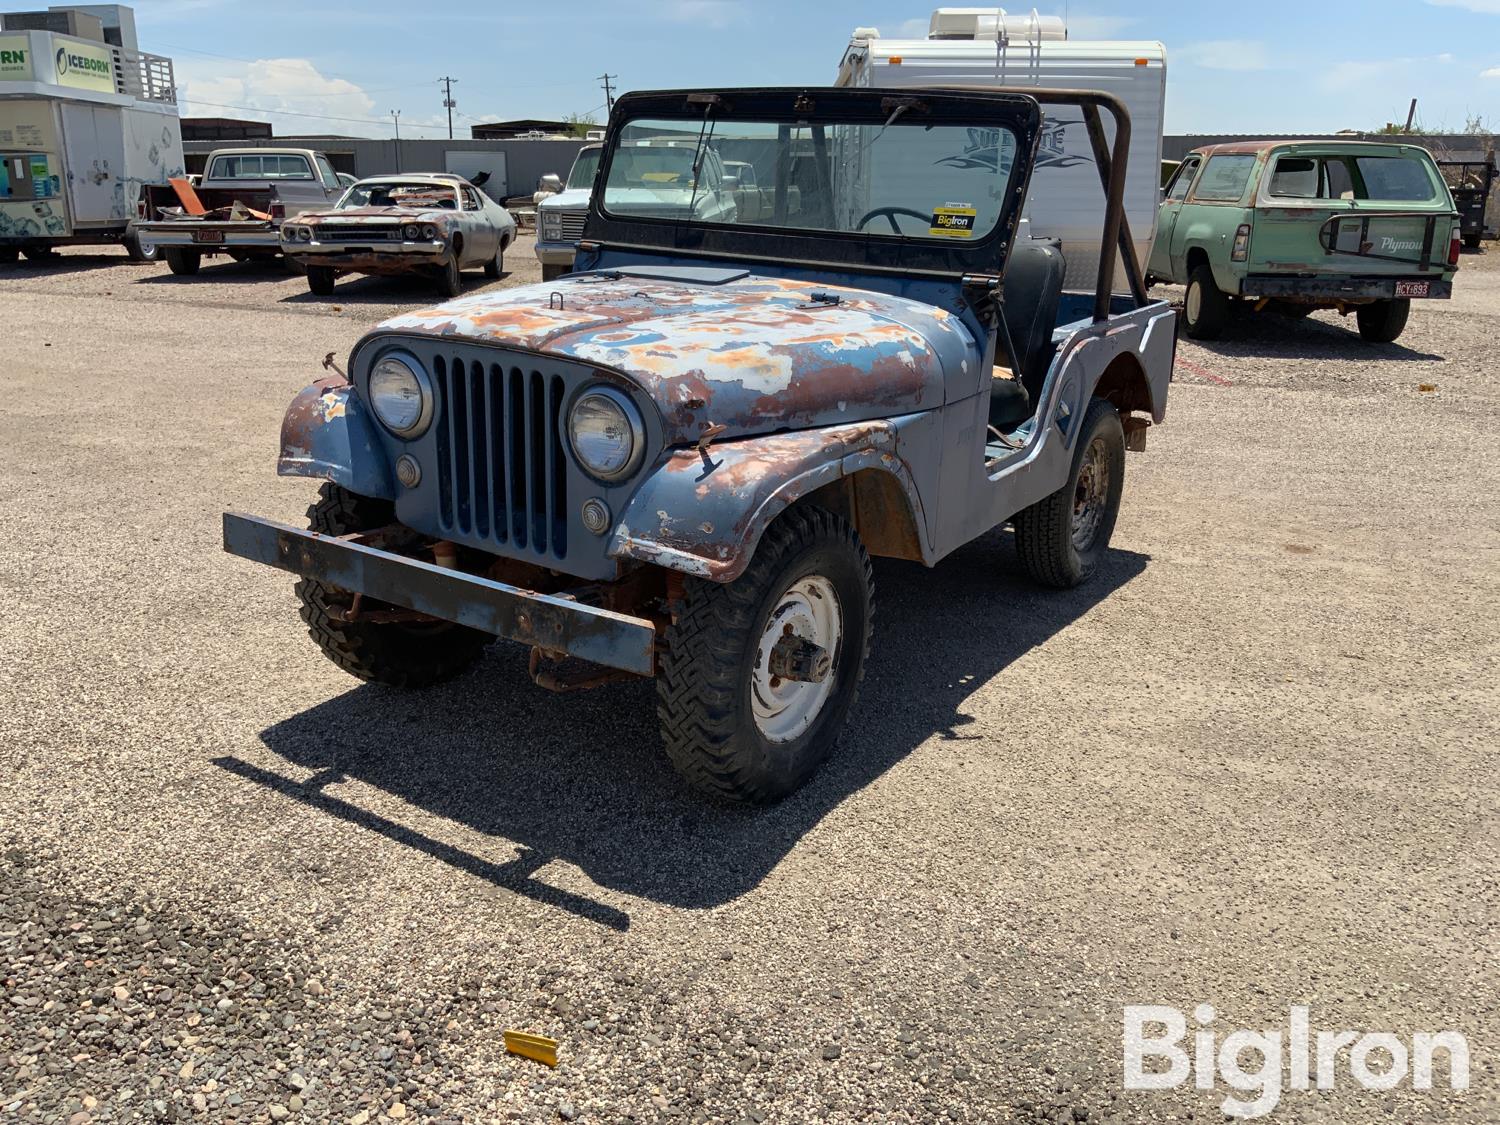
pixel 208 236
pixel 1412 288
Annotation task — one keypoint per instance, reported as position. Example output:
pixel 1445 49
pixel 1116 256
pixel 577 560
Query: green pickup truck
pixel 1348 225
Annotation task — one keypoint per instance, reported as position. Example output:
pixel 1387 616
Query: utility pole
pixel 448 102
pixel 396 117
pixel 609 96
pixel 1411 114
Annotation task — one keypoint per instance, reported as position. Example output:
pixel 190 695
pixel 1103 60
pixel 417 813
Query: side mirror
pixel 551 183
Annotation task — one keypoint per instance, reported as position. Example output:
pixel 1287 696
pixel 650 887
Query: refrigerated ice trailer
pixel 85 119
pixel 988 48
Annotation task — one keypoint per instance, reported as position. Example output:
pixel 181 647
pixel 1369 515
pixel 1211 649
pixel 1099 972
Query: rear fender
pixel 703 513
pixel 328 434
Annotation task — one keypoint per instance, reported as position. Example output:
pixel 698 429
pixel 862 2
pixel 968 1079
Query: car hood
pixel 754 354
pixel 365 216
pixel 574 199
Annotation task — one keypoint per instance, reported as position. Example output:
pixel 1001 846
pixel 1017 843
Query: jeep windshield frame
pixel 877 249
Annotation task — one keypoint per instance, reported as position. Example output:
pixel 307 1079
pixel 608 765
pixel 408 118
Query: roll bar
pixel 1112 167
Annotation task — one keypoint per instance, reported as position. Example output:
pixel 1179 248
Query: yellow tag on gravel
pixel 529 1046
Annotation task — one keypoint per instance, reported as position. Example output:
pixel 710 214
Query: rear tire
pixel 495 267
pixel 184 263
pixel 1061 538
pixel 1383 321
pixel 396 654
pixel 139 251
pixel 450 282
pixel 1205 310
pixel 733 730
pixel 552 271
pixel 320 280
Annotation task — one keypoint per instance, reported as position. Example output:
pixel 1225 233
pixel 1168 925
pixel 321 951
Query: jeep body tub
pixel 1348 225
pixel 676 461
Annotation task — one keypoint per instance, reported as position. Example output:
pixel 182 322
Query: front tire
pixel 320 280
pixel 1383 321
pixel 184 263
pixel 450 282
pixel 1205 310
pixel 731 727
pixel 398 654
pixel 1061 538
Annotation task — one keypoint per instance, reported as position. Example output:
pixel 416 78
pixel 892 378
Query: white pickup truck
pixel 244 195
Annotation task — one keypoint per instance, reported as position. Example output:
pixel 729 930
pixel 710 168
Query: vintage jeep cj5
pixel 677 461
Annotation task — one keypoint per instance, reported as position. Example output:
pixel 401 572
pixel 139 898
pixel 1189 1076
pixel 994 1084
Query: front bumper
pixel 428 252
pixel 556 253
pixel 553 623
pixel 1338 288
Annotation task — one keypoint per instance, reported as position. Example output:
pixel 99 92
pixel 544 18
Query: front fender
pixel 328 434
pixel 703 513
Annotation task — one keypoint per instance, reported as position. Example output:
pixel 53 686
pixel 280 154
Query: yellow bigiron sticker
pixel 953 220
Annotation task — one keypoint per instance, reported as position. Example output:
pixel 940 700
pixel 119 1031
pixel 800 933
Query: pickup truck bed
pixel 226 227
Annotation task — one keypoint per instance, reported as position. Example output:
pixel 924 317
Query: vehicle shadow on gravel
pixel 406 291
pixel 582 778
pixel 1272 335
pixel 223 269
pixel 61 264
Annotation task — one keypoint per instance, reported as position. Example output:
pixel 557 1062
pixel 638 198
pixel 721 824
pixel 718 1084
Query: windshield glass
pixel 905 177
pixel 584 169
pixel 390 193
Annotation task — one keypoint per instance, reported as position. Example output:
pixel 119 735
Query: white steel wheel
pixel 809 610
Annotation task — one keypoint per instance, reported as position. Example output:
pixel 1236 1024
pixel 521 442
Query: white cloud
pixel 1223 54
pixel 1484 7
pixel 1493 72
pixel 292 94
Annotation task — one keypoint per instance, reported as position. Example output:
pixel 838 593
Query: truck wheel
pixel 759 674
pixel 496 265
pixel 184 263
pixel 1382 321
pixel 553 271
pixel 450 281
pixel 320 280
pixel 395 653
pixel 1472 240
pixel 139 251
pixel 1205 310
pixel 1061 538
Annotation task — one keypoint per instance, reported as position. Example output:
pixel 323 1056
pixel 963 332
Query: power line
pixel 292 113
pixel 448 102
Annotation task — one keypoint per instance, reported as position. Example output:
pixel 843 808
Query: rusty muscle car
pixel 678 461
pixel 433 224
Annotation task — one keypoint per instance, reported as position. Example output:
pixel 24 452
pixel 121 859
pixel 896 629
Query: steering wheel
pixel 890 213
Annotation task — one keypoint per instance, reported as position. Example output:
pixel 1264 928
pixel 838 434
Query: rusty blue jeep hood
pixel 753 354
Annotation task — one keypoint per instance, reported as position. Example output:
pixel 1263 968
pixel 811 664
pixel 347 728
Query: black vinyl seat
pixel 1030 297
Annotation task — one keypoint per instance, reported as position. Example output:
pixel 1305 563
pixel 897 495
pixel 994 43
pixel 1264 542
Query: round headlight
pixel 429 232
pixel 411 232
pixel 304 234
pixel 401 396
pixel 607 435
pixel 289 232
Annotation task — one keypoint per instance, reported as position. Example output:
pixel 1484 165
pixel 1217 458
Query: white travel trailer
pixel 85 119
pixel 986 48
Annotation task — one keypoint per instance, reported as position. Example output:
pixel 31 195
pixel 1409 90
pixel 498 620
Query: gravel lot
pixel 1252 766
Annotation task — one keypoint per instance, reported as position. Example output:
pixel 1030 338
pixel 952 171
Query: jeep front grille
pixel 502 468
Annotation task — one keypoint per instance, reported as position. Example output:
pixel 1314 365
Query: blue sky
pixel 1274 67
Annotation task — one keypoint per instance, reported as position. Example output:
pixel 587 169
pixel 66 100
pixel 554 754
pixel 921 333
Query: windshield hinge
pixel 711 101
pixel 989 282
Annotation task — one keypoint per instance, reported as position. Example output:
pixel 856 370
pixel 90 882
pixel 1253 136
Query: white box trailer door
pixel 93 161
pixel 471 164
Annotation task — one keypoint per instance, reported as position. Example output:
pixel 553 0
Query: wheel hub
pixel 795 659
pixel 1091 494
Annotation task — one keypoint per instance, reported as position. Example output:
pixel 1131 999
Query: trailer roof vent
pixel 866 33
pixel 995 23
